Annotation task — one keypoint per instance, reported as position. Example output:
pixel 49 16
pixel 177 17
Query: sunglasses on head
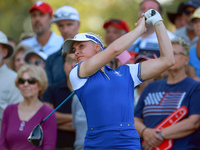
pixel 115 21
pixel 29 80
pixel 188 12
pixel 63 15
pixel 148 54
pixel 38 62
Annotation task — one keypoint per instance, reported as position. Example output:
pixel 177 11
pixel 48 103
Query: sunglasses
pixel 149 55
pixel 188 12
pixel 63 15
pixel 29 80
pixel 38 62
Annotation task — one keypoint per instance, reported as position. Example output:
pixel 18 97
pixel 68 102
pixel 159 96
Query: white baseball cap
pixel 66 13
pixel 67 46
pixel 4 41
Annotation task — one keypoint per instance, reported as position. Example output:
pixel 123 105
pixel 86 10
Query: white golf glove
pixel 152 16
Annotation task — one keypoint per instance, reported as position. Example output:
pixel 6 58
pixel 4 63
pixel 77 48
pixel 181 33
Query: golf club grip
pixel 58 107
pixel 153 12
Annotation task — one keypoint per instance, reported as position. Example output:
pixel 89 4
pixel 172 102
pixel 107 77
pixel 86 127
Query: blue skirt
pixel 112 137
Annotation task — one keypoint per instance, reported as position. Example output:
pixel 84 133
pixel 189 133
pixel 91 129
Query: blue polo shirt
pixel 53 45
pixel 107 98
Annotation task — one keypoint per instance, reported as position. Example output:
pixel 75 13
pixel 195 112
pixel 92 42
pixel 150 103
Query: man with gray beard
pixel 44 40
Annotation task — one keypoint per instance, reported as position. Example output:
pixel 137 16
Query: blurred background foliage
pixel 15 18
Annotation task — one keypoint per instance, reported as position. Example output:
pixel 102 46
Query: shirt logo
pixel 22 124
pixel 117 73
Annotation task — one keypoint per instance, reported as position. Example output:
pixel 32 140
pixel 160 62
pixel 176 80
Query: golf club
pixel 36 136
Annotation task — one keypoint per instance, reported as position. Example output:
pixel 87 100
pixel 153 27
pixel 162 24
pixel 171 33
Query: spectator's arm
pixel 139 125
pixel 64 121
pixel 190 124
pixel 66 126
pixel 63 118
pixel 182 128
pixel 150 136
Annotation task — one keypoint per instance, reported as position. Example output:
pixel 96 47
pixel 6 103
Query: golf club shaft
pixel 57 107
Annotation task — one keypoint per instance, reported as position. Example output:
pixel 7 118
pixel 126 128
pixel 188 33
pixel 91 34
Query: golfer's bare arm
pixel 154 67
pixel 96 62
pixel 139 125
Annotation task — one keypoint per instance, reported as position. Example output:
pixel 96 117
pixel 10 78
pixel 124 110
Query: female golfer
pixel 107 94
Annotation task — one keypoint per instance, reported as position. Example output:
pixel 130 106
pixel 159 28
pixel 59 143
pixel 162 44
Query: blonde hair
pixel 35 72
pixel 183 43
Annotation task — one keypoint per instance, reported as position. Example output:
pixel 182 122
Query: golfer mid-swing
pixel 106 94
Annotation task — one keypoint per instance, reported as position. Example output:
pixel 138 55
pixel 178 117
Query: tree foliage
pixel 93 14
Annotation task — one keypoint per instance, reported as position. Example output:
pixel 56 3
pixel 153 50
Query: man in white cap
pixel 9 93
pixel 45 40
pixel 68 22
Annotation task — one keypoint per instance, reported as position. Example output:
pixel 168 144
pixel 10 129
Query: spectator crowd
pixel 36 76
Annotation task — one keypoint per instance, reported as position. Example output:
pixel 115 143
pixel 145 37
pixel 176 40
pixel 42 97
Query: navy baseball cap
pixel 194 3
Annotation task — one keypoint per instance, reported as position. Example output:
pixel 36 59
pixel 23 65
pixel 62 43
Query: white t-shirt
pixel 53 45
pixel 148 43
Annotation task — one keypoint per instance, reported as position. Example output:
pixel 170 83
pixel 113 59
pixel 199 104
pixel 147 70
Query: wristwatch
pixel 161 135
